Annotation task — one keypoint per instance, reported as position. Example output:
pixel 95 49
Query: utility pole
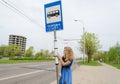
pixel 83 39
pixel 84 45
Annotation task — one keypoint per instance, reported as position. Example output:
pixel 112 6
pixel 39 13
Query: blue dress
pixel 66 72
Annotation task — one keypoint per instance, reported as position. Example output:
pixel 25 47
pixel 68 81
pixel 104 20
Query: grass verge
pixel 115 65
pixel 92 63
pixel 21 61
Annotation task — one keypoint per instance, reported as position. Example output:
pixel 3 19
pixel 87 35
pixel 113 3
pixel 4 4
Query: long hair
pixel 69 55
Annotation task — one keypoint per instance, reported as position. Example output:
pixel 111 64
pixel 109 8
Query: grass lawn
pixel 115 65
pixel 21 61
pixel 92 63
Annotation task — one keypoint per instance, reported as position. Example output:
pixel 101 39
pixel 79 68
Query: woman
pixel 66 62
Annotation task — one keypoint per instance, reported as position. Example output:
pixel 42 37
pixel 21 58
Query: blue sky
pixel 101 17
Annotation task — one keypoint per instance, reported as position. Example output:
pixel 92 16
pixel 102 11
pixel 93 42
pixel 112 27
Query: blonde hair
pixel 70 54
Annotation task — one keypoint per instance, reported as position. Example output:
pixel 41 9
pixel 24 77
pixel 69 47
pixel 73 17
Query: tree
pixel 18 50
pixel 114 54
pixel 2 48
pixel 40 54
pixel 29 52
pixel 118 53
pixel 44 54
pixel 12 50
pixel 52 53
pixel 105 56
pixel 92 44
pixel 97 56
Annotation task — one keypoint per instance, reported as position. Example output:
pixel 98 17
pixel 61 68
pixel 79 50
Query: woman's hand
pixel 59 74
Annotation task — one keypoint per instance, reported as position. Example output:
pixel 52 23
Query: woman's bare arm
pixel 62 62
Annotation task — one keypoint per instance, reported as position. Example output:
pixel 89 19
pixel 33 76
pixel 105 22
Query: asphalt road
pixel 28 73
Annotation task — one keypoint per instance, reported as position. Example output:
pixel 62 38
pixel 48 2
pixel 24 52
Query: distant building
pixel 18 40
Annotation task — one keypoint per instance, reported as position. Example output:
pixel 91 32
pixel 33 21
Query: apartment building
pixel 18 40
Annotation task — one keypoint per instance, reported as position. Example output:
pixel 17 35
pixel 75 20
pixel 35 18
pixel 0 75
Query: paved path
pixel 104 74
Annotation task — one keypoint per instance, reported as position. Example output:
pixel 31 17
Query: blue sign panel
pixel 53 16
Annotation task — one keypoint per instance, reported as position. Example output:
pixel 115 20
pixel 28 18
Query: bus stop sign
pixel 53 16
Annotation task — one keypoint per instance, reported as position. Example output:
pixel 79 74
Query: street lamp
pixel 83 38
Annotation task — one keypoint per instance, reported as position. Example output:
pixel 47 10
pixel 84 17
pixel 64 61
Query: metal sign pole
pixel 56 59
pixel 54 22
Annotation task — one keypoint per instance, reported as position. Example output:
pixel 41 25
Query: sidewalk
pixel 104 74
